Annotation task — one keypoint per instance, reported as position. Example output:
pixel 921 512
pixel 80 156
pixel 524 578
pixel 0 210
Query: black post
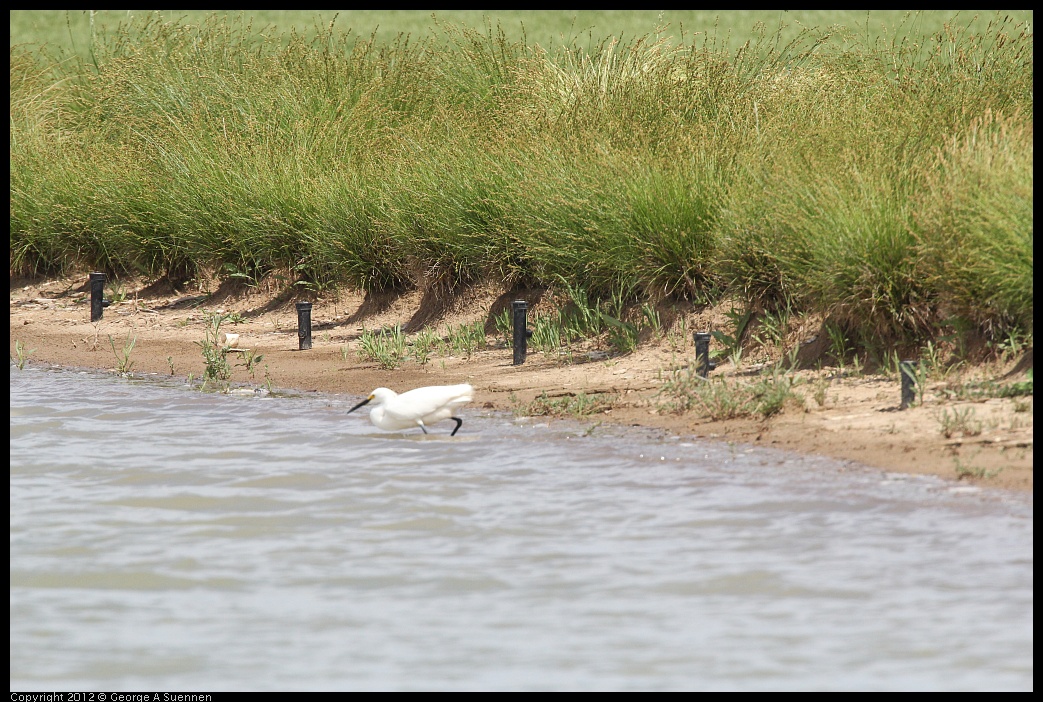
pixel 702 354
pixel 304 325
pixel 521 334
pixel 97 293
pixel 908 371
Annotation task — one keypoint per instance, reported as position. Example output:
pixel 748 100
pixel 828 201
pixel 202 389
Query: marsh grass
pixel 884 181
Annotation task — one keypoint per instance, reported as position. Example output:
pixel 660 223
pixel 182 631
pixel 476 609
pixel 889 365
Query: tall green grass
pixel 884 180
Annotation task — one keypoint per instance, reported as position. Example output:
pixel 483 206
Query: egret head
pixel 381 395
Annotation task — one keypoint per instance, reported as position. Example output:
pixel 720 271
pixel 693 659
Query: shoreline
pixel 858 419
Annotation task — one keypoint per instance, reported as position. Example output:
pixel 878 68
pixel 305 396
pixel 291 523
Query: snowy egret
pixel 417 407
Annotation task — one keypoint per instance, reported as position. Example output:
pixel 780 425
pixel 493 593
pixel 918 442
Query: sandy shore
pixel 858 421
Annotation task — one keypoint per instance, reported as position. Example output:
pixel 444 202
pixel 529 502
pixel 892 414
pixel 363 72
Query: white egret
pixel 418 407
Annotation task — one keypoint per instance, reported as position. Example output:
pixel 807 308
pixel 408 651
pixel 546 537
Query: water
pixel 167 539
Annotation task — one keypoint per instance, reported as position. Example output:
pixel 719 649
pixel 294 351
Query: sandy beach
pixel 854 416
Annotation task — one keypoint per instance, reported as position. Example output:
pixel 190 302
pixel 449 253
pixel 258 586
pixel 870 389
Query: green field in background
pixel 71 29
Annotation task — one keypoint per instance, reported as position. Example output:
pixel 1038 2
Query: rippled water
pixel 167 539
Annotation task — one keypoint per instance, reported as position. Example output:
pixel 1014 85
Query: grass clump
pixel 385 346
pixel 961 421
pixel 578 405
pixel 21 354
pixel 983 390
pixel 718 398
pixel 466 339
pixel 123 362
pixel 425 343
pixel 215 355
pixel 883 181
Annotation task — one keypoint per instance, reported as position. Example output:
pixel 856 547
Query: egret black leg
pixel 458 423
pixel 421 424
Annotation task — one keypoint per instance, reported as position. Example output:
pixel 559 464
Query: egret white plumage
pixel 416 408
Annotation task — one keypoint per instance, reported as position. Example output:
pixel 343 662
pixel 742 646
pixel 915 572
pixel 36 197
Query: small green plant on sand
pixel 385 346
pixel 578 405
pixel 117 293
pixel 123 362
pixel 466 339
pixel 424 344
pixel 838 345
pixel 732 343
pixel 963 422
pixel 215 356
pixel 984 390
pixel 21 355
pixel 250 360
pixel 773 391
pixel 621 334
pixel 968 470
pixel 819 394
pixel 505 327
pixel 718 398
